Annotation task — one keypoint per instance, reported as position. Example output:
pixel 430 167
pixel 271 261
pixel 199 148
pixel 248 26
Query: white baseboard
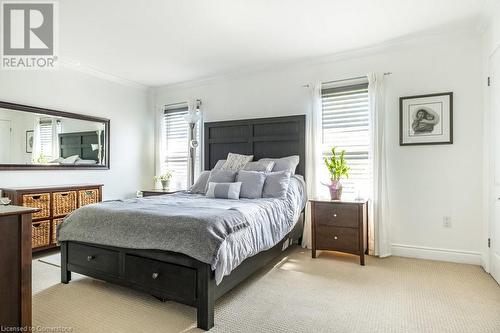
pixel 423 252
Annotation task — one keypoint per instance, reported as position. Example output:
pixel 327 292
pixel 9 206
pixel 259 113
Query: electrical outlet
pixel 447 221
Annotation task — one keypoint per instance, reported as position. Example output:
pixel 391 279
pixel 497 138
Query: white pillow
pixel 236 162
pixel 262 166
pixel 201 183
pixel 276 184
pixel 219 165
pixel 70 160
pixel 288 163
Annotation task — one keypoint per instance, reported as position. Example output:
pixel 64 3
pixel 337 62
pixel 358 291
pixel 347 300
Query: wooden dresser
pixel 54 202
pixel 340 226
pixel 15 263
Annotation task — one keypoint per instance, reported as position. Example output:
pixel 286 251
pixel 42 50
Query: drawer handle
pixel 335 237
pixel 155 276
pixel 64 194
pixel 89 192
pixel 90 258
pixel 36 197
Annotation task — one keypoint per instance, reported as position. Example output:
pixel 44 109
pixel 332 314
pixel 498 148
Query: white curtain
pixel 55 138
pixel 160 143
pixel 37 144
pixel 313 154
pixel 380 223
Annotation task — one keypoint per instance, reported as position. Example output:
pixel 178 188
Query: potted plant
pixel 164 178
pixel 337 167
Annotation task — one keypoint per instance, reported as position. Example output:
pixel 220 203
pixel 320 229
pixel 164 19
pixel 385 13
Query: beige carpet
pixel 328 294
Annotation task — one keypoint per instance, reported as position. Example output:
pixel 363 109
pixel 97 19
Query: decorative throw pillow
pixel 236 162
pixel 252 183
pixel 201 183
pixel 284 164
pixel 220 176
pixel 224 190
pixel 263 166
pixel 276 184
pixel 219 165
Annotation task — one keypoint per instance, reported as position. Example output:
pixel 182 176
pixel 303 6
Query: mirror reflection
pixel 39 139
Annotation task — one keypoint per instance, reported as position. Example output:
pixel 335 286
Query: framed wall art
pixel 29 141
pixel 426 119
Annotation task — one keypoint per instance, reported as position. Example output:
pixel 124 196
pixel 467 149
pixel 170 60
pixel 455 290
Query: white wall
pixel 426 182
pixel 131 127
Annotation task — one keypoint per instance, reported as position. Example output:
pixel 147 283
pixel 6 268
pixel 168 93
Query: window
pixel 47 138
pixel 176 145
pixel 346 125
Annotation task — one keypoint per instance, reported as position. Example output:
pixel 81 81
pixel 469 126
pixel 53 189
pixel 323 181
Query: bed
pixel 166 269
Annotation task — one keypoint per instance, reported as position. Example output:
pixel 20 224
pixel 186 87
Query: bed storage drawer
pixel 99 259
pixel 169 280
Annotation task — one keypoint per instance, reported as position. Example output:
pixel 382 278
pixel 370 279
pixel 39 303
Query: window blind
pixel 46 138
pixel 346 125
pixel 176 145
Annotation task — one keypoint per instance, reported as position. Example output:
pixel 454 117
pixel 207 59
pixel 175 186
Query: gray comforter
pixel 219 232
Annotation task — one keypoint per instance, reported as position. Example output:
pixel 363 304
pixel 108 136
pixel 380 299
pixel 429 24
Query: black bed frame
pixel 178 277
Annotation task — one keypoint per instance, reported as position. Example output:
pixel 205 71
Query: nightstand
pixel 340 226
pixel 149 193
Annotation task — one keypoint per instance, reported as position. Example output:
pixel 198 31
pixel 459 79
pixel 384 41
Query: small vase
pixel 335 190
pixel 164 184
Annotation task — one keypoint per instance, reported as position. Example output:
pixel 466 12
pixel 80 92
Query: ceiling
pixel 160 42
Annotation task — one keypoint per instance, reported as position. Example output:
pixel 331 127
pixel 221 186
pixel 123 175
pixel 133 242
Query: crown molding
pixel 457 31
pixel 82 68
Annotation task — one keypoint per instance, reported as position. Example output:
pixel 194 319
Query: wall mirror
pixel 33 138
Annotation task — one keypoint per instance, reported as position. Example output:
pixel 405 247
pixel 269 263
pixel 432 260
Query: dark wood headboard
pixel 262 137
pixel 79 143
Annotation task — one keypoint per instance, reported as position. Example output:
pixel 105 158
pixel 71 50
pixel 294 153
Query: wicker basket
pixel 40 234
pixel 88 197
pixel 55 223
pixel 38 200
pixel 64 202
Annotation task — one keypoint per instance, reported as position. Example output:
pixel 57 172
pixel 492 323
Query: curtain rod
pixel 349 79
pixel 198 101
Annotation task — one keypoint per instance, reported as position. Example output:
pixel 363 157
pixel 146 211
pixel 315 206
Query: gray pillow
pixel 224 190
pixel 276 184
pixel 236 162
pixel 220 176
pixel 201 183
pixel 219 165
pixel 252 183
pixel 263 166
pixel 284 164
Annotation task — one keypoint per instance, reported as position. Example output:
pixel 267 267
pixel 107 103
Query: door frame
pixel 10 135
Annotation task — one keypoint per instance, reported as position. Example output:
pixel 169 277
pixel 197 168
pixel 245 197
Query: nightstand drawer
pixel 339 215
pixel 337 238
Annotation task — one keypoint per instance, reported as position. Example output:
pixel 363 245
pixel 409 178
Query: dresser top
pixel 49 187
pixel 16 210
pixel 346 201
